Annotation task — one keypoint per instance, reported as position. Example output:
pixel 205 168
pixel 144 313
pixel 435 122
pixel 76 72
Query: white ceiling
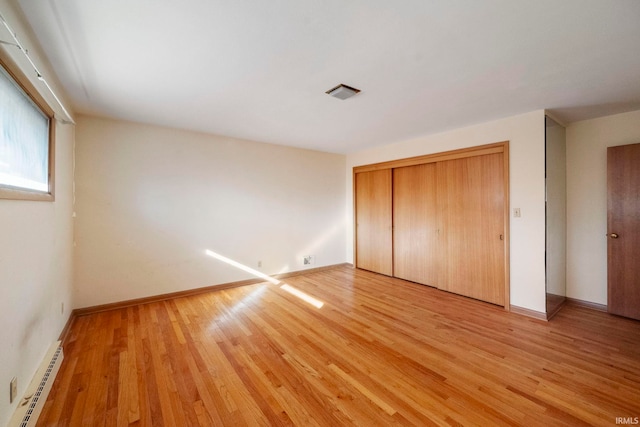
pixel 259 70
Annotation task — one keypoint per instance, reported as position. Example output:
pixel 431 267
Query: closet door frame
pixel 498 147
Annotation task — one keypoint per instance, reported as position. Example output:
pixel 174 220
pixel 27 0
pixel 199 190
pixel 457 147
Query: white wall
pixel 35 252
pixel 587 143
pixel 526 135
pixel 35 276
pixel 151 200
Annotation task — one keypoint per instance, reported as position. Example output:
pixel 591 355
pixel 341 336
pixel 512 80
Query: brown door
pixel 471 201
pixel 374 250
pixel 623 224
pixel 415 226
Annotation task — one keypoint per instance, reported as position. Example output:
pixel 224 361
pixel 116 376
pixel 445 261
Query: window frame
pixel 17 193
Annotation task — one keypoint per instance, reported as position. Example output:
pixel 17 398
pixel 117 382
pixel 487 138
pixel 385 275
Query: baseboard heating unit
pixel 35 396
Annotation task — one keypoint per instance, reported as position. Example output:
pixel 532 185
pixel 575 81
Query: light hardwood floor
pixel 380 351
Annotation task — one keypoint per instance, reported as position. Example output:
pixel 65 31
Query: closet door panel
pixel 374 246
pixel 472 225
pixel 415 224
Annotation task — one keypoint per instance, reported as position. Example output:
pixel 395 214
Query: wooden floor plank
pixel 380 351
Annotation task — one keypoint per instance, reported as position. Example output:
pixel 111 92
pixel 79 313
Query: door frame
pixel 498 147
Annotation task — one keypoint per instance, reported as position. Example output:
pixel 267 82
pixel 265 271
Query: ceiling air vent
pixel 342 91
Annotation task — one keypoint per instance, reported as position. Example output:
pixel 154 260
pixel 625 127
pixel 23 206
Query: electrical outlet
pixel 61 308
pixel 13 389
pixel 259 264
pixel 516 213
pixel 308 260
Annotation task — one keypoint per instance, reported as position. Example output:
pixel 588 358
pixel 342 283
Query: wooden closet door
pixel 472 224
pixel 415 225
pixel 374 250
pixel 623 223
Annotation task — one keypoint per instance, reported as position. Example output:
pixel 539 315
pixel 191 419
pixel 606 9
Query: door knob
pixel 613 235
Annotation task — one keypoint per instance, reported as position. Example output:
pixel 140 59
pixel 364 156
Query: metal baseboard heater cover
pixel 35 396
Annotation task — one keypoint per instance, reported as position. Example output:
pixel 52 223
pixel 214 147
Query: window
pixel 26 138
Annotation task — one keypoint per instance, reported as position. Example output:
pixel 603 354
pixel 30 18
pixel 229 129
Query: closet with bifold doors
pixel 440 220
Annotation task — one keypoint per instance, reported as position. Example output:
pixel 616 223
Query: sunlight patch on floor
pixel 285 287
